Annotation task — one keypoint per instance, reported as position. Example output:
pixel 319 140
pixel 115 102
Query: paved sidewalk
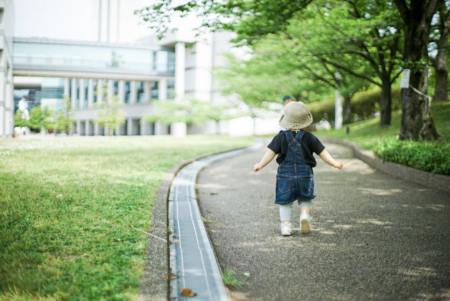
pixel 374 237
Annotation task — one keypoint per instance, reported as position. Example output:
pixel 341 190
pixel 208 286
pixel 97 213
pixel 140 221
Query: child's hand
pixel 339 165
pixel 257 167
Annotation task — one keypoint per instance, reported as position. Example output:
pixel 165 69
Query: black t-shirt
pixel 310 144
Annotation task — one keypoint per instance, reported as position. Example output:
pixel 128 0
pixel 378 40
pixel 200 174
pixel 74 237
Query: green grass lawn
pixel 74 211
pixel 430 156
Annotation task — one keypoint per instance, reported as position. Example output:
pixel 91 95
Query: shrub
pixel 428 156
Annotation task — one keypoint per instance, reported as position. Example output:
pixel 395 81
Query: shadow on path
pixel 374 237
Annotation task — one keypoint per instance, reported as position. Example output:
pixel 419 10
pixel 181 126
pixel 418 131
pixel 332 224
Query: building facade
pixel 6 75
pixel 103 78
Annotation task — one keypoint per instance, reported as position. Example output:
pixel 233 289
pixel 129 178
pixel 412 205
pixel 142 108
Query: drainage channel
pixel 193 264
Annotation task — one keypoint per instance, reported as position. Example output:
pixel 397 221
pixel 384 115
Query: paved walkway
pixel 374 237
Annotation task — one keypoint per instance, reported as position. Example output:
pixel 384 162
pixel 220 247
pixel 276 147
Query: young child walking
pixel 295 181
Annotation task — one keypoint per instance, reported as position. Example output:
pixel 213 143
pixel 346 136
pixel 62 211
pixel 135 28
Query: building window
pixel 140 92
pixel 94 90
pixel 86 93
pixel 127 92
pixel 154 60
pixel 171 62
pixel 69 84
pixel 171 89
pixel 78 101
pixel 154 90
pixel 115 87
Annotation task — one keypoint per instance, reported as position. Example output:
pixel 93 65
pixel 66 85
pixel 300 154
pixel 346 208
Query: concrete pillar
pixel 96 129
pixel 100 92
pixel 129 126
pixel 180 57
pixel 90 96
pixel 162 89
pixel 110 91
pixel 179 129
pixel 66 87
pixel 203 69
pixel 87 127
pixel 78 127
pixel 145 127
pixel 73 127
pixel 133 94
pixel 119 130
pixel 2 120
pixel 73 94
pixel 147 92
pixel 82 94
pixel 121 95
pixel 160 128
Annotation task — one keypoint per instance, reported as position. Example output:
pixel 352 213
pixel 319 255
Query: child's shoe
pixel 286 228
pixel 305 223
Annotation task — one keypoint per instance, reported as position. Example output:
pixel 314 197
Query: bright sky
pixel 73 19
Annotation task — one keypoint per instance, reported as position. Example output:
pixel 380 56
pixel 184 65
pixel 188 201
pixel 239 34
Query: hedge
pixel 428 156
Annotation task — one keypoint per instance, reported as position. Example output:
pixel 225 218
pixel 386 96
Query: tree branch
pixel 350 71
pixel 319 77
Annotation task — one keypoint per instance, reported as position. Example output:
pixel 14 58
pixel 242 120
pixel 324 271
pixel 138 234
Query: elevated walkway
pixel 68 59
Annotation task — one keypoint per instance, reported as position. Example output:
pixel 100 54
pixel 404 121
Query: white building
pixel 6 75
pixel 92 73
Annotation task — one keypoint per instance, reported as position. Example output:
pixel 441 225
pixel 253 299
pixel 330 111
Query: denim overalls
pixel 295 179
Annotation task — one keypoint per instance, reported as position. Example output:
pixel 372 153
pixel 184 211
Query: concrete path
pixel 374 237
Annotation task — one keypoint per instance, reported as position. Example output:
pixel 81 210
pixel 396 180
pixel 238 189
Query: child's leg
pixel 285 218
pixel 285 212
pixel 305 208
pixel 305 226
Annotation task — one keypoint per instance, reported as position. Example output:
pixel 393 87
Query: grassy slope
pixel 367 132
pixel 369 135
pixel 74 211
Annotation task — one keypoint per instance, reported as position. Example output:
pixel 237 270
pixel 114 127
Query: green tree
pixel 416 122
pixel 192 112
pixel 360 38
pixel 343 34
pixel 63 118
pixel 110 115
pixel 438 49
pixel 19 121
pixel 40 119
pixel 297 62
pixel 251 20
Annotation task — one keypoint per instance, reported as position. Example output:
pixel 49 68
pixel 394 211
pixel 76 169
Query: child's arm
pixel 325 156
pixel 268 156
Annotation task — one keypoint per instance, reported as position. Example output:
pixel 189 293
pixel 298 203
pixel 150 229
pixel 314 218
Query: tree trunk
pixel 386 102
pixel 440 63
pixel 417 122
pixel 346 110
pixel 441 85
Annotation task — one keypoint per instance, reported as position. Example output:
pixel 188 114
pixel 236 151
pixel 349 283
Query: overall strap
pixel 294 141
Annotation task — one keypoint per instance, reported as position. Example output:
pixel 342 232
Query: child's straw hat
pixel 296 116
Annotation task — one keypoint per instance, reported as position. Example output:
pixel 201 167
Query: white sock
pixel 285 212
pixel 303 213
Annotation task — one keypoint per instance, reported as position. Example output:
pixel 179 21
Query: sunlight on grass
pixel 74 211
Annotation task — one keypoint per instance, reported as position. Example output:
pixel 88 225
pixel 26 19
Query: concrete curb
pixel 156 278
pixel 154 283
pixel 403 172
pixel 191 255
